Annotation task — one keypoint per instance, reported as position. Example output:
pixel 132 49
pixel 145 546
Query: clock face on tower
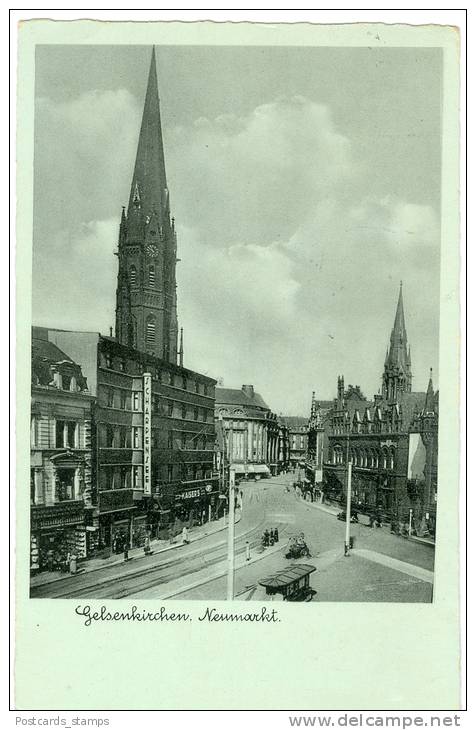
pixel 152 250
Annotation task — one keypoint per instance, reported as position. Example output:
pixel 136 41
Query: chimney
pixel 248 390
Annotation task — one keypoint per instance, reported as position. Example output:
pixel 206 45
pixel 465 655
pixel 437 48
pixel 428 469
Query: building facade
pixel 255 442
pixel 375 436
pixel 61 505
pixel 298 438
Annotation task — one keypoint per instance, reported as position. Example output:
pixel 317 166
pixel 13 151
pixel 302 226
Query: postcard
pixel 237 266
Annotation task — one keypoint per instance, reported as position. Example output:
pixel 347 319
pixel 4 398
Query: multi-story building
pixel 374 436
pixel 298 434
pixel 316 440
pixel 153 438
pixel 255 441
pixel 60 478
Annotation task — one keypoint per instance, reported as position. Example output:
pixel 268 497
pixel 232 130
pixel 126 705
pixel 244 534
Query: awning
pixel 261 469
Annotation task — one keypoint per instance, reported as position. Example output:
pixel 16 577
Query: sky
pixel 305 184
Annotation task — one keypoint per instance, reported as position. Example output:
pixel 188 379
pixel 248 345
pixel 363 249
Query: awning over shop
pixel 261 469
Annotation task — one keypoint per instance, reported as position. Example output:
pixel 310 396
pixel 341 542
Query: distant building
pixel 254 440
pixel 61 490
pixel 381 437
pixel 317 440
pixel 298 435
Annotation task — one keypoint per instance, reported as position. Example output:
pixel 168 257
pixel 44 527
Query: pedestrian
pixel 276 535
pixel 185 538
pixel 147 544
pixel 266 538
pixel 248 551
pixel 171 535
pixel 126 550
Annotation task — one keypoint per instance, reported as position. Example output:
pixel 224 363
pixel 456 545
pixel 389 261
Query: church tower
pixel 397 375
pixel 146 297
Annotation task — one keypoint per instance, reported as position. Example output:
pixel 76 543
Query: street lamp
pixel 230 593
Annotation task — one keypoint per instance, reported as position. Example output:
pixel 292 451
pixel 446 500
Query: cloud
pixel 289 269
pixel 254 179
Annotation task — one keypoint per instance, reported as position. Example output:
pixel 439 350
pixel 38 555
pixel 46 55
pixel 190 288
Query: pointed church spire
pixel 397 375
pixel 430 395
pixel 149 192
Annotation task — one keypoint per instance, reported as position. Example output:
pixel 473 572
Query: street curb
pixel 219 574
pixel 329 511
pixel 140 556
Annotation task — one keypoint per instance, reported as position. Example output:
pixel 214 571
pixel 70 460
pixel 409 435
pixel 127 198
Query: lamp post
pixel 347 513
pixel 231 538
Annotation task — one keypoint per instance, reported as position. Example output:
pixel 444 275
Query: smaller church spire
pixel 430 395
pixel 181 348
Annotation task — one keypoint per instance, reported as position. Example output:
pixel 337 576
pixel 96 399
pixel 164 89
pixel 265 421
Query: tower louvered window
pixel 133 275
pixel 151 275
pixel 150 332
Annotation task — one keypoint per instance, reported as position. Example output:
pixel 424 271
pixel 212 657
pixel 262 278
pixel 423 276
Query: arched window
pixel 150 331
pixel 151 275
pixel 385 458
pixel 133 275
pixel 391 459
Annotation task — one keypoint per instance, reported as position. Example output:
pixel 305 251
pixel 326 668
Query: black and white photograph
pixel 235 323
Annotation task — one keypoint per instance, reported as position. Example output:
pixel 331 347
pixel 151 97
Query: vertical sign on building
pixel 147 433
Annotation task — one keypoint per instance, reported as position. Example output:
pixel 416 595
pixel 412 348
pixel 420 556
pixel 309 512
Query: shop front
pixel 56 531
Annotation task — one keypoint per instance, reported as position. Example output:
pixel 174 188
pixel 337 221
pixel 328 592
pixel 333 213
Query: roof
pixel 237 397
pixel 285 577
pixel 44 349
pixel 293 422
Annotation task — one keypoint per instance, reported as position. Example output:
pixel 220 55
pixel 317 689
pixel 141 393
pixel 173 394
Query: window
pixel 135 477
pixel 66 384
pixel 122 365
pixel 184 411
pixel 65 485
pixel 184 383
pixel 151 275
pixel 195 414
pixel 109 436
pixel 32 487
pixel 33 431
pixel 170 440
pixel 170 472
pixel 391 459
pixel 170 408
pixel 150 331
pixel 136 400
pixel 197 387
pixel 133 275
pixel 136 437
pixel 184 441
pixel 66 434
pixel 110 397
pixel 123 396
